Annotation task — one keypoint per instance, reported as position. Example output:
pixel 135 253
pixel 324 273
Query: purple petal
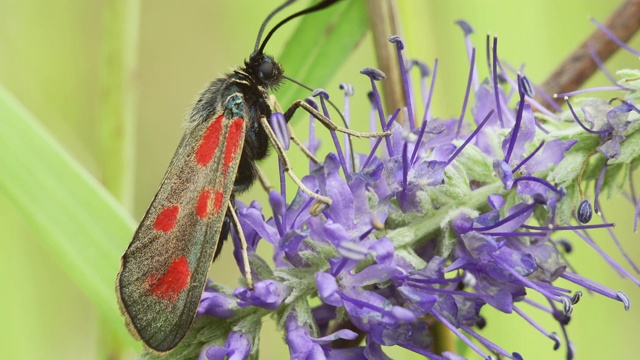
pixel 277 202
pixel 213 303
pixel 611 148
pixel 267 294
pixel 478 245
pixel 403 314
pixel 237 347
pixel 340 334
pixel 526 132
pixel 496 201
pixel 503 170
pixel 328 289
pixel 551 154
pixel 418 301
pixel 373 351
pixel 383 251
pixel 254 219
pixel 279 125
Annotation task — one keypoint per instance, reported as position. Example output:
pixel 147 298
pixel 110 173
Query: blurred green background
pixel 64 60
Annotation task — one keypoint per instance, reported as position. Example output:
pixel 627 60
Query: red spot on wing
pixel 202 206
pixel 174 280
pixel 209 142
pixel 166 219
pixel 217 202
pixel 233 143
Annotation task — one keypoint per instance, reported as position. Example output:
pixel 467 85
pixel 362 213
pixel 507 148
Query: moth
pixel 163 271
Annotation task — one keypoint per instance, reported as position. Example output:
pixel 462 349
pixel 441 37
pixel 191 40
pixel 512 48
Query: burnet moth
pixel 164 269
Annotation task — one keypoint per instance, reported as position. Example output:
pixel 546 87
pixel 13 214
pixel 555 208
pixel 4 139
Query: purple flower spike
pixel 448 219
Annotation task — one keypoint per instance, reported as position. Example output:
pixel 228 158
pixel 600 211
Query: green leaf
pixel 320 45
pixel 78 221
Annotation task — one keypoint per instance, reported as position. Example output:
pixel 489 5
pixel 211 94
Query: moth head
pixel 264 70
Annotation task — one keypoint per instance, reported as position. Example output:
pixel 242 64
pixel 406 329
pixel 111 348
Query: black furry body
pixel 253 85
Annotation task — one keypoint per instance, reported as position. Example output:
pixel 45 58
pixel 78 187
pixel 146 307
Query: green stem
pixel 443 339
pixel 417 233
pixel 117 114
pixel 118 100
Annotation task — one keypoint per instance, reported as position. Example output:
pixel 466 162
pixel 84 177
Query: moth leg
pixel 264 182
pixel 243 246
pixel 301 145
pixel 273 102
pixel 276 106
pixel 321 201
pixel 328 123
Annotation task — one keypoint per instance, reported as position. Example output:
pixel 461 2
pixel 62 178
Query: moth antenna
pixel 335 107
pixel 266 21
pixel 319 6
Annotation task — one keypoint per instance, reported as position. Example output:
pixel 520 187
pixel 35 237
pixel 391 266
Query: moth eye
pixel 266 69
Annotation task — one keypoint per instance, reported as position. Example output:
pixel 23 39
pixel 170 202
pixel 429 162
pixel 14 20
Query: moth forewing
pixel 173 247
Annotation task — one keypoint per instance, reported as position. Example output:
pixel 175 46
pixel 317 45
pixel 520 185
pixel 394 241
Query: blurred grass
pixel 50 62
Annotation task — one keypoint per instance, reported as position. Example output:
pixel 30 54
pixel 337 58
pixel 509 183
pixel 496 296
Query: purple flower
pixel 435 223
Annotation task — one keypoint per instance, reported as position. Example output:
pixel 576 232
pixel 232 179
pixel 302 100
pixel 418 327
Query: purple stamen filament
pixel 417 145
pixel 516 127
pixel 378 104
pixel 472 66
pixel 524 161
pixel 473 134
pixel 433 81
pixel 515 215
pixel 575 116
pixel 405 82
pixel 405 167
pixel 538 180
pixel 375 146
pixel 494 73
pixel 336 142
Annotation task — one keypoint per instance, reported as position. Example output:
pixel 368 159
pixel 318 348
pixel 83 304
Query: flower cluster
pixel 439 220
